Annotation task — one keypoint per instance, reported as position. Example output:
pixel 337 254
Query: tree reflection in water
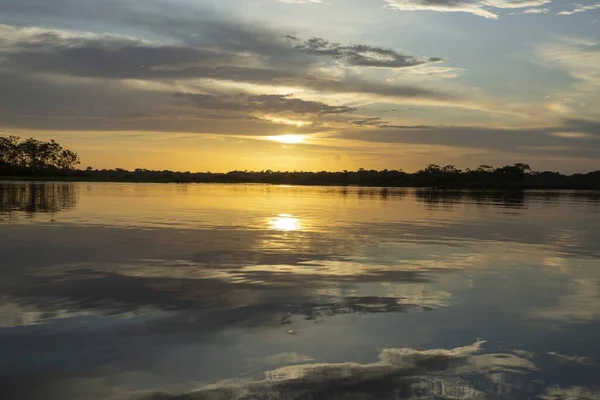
pixel 32 198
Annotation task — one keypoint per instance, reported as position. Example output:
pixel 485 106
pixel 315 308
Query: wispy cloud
pixel 481 8
pixel 359 55
pixel 300 1
pixel 427 72
pixel 530 11
pixel 580 8
pixel 263 103
pixel 572 135
pixel 578 57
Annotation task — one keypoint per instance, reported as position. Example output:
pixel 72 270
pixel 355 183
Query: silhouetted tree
pixel 67 159
pixel 35 155
pixel 514 172
pixel 9 151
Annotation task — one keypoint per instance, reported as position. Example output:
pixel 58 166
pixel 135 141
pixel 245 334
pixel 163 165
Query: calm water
pixel 123 291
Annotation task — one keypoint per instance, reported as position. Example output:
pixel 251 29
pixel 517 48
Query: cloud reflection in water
pixel 474 371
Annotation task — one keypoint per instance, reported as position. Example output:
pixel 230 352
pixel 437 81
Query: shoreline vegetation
pixel 34 160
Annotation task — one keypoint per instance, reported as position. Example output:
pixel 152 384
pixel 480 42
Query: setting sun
pixel 288 139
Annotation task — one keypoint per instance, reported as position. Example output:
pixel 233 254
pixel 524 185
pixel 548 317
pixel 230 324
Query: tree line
pixel 37 159
pixel 516 176
pixel 32 155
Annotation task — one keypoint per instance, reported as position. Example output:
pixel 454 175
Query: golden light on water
pixel 288 139
pixel 285 222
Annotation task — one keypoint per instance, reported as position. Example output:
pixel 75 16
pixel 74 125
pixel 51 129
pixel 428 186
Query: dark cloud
pixel 276 103
pixel 380 123
pixel 264 103
pixel 582 125
pixel 360 55
pixel 102 59
pixel 41 86
pixel 363 86
pixel 42 101
pixel 374 121
pixel 527 140
pixel 113 57
pixel 224 53
pixel 197 25
pixel 45 102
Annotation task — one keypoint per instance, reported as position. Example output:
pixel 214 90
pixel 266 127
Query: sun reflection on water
pixel 285 222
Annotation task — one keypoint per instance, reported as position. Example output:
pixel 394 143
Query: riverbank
pixel 474 187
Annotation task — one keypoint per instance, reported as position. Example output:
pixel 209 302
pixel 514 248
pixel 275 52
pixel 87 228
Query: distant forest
pixel 33 159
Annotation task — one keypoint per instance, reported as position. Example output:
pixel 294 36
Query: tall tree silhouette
pixel 35 155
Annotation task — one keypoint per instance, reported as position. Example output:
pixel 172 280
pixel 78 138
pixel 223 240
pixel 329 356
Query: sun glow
pixel 288 139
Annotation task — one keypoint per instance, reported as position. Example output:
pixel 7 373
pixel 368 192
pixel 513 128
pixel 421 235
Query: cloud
pixel 537 11
pixel 40 101
pixel 426 72
pixel 73 80
pixel 579 8
pixel 233 54
pixel 300 1
pixel 480 8
pixel 581 142
pixel 107 56
pixel 578 57
pixel 264 103
pixel 515 3
pixel 222 53
pixel 360 55
pixel 476 8
pixel 380 123
pixel 572 135
pixel 531 11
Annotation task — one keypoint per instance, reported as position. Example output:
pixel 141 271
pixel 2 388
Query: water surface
pixel 140 291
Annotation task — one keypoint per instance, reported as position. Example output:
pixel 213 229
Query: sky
pixel 218 85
